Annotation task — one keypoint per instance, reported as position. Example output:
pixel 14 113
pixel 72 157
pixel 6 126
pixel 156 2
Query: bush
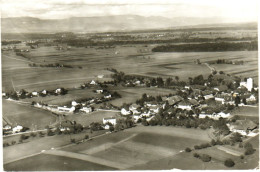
pixel 5 144
pixel 33 134
pixel 86 136
pixel 249 151
pixel 196 155
pixel 213 142
pixel 187 150
pixel 242 157
pixel 229 163
pixel 13 142
pixel 205 158
pixel 197 147
pixel 72 140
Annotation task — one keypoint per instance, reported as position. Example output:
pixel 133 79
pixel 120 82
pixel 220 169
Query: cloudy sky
pixel 237 10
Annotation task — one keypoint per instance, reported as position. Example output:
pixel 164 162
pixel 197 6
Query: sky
pixel 237 10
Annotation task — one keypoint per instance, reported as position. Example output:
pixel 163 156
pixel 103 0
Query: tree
pixel 229 163
pixel 237 101
pixel 86 136
pixel 236 137
pixel 187 150
pixel 244 101
pixel 196 155
pixel 205 158
pixel 177 78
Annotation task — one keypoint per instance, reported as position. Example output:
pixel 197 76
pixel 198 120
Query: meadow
pixel 131 59
pixel 19 114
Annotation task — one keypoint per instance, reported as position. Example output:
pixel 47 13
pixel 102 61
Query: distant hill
pixel 99 24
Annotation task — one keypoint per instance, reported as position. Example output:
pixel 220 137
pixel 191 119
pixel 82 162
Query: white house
pixel 249 84
pixel 86 109
pixel 7 127
pixel 133 107
pixel 210 96
pixel 99 91
pixel 58 91
pixel 108 96
pixel 35 93
pixel 125 112
pixel 222 100
pixel 17 129
pixel 136 117
pixel 74 103
pixel 154 109
pixel 44 92
pixel 251 98
pixel 66 109
pixel 93 82
pixel 111 120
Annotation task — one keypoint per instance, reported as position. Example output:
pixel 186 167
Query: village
pixel 210 98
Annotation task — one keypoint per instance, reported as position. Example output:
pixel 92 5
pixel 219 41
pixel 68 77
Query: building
pixel 35 93
pixel 66 109
pixel 93 82
pixel 249 84
pixel 99 91
pixel 174 100
pixel 58 91
pixel 244 127
pixel 111 120
pixel 74 103
pixel 17 129
pixel 125 111
pixel 86 109
pixel 44 92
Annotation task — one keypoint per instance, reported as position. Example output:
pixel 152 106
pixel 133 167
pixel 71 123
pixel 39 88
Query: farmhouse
pixel 17 129
pixel 86 109
pixel 244 127
pixel 111 120
pixel 251 98
pixel 108 96
pixel 125 111
pixel 44 92
pixel 74 103
pixel 66 109
pixel 184 105
pixel 93 82
pixel 35 93
pixel 58 91
pixel 210 96
pixel 99 91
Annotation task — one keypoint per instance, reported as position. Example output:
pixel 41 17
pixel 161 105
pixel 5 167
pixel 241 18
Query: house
pixel 251 98
pixel 136 117
pixel 44 92
pixel 58 91
pixel 86 109
pixel 210 96
pixel 125 111
pixel 244 127
pixel 74 103
pixel 66 109
pixel 223 115
pixel 248 84
pixel 133 107
pixel 35 93
pixel 222 100
pixel 17 129
pixel 145 114
pixel 111 120
pixel 108 96
pixel 154 109
pixel 7 127
pixel 93 82
pixel 185 104
pixel 99 91
pixel 174 100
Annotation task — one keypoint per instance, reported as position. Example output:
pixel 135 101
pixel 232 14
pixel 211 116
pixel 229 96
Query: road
pixel 212 69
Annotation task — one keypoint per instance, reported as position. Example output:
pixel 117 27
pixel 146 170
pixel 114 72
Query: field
pixel 25 115
pixel 86 119
pixel 247 113
pixel 131 59
pixel 130 95
pixel 74 94
pixel 124 149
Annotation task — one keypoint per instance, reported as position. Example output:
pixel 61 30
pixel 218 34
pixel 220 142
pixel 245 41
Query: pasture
pixel 130 95
pixel 129 59
pixel 25 115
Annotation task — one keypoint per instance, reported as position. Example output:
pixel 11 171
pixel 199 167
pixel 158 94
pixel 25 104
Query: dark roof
pixel 244 124
pixel 174 99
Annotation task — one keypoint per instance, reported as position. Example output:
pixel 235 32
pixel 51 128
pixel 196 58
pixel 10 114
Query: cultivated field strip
pixel 88 158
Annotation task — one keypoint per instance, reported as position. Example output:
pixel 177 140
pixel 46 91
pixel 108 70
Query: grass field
pixel 26 116
pixel 130 95
pixel 45 162
pixel 247 113
pixel 87 119
pixel 94 61
pixel 141 145
pixel 74 94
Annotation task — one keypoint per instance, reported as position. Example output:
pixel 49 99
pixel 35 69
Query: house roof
pixel 244 124
pixel 194 102
pixel 174 99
